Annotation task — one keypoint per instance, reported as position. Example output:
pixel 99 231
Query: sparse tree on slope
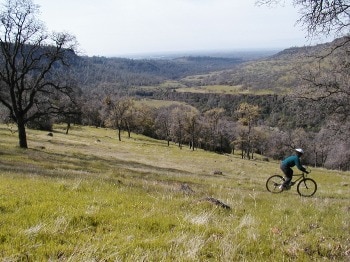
pixel 211 126
pixel 177 130
pixel 248 115
pixel 32 63
pixel 163 123
pixel 118 112
pixel 192 126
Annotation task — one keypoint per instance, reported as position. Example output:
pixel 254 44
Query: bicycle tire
pixel 273 184
pixel 307 187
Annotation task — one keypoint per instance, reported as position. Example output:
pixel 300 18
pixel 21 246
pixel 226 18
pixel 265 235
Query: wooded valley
pixel 260 106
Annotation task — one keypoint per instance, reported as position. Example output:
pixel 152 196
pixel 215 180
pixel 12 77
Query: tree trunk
pixel 68 127
pixel 119 134
pixel 316 159
pixel 180 139
pixel 221 144
pixel 128 128
pixel 193 138
pixel 22 134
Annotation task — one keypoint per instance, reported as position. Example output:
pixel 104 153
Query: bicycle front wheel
pixel 273 184
pixel 307 187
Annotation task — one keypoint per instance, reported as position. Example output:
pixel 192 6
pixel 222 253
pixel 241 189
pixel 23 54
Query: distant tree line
pixel 269 125
pixel 126 73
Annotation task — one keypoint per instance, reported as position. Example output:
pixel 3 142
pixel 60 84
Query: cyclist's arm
pixel 299 166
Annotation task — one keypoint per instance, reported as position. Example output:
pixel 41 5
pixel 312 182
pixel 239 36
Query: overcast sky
pixel 123 27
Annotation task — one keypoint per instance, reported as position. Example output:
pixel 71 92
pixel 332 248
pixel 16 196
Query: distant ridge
pixel 307 50
pixel 245 54
pixel 252 69
pixel 275 73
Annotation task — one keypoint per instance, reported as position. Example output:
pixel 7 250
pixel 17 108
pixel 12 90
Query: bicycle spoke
pixel 273 183
pixel 307 187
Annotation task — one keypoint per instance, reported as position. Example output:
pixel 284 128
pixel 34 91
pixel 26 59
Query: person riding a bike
pixel 288 163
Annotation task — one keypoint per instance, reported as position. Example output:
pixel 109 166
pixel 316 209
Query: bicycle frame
pixel 300 177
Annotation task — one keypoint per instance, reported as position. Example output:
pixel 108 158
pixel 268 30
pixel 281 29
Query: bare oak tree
pixel 211 127
pixel 163 123
pixel 177 128
pixel 119 111
pixel 33 76
pixel 327 80
pixel 192 126
pixel 320 17
pixel 248 115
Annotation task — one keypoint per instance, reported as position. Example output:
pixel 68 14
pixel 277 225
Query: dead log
pixel 216 202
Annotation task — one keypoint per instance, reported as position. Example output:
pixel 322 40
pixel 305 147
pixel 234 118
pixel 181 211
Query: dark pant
pixel 288 173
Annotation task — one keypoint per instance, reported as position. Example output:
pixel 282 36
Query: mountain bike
pixel 305 186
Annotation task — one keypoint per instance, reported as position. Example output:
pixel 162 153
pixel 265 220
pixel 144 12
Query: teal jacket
pixel 293 161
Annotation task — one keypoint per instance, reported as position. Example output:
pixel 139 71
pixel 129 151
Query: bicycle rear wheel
pixel 273 184
pixel 307 187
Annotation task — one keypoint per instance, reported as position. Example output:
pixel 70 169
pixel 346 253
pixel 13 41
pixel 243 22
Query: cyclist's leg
pixel 288 175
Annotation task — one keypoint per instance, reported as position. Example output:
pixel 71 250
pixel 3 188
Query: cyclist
pixel 288 163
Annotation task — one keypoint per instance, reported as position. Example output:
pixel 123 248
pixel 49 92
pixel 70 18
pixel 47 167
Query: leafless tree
pixel 248 115
pixel 320 17
pixel 192 126
pixel 328 74
pixel 326 79
pixel 178 120
pixel 33 63
pixel 163 123
pixel 211 125
pixel 143 119
pixel 119 111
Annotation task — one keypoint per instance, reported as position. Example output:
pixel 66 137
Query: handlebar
pixel 307 171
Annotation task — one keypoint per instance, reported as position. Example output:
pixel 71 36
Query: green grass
pixel 223 89
pixel 154 103
pixel 216 89
pixel 202 89
pixel 86 196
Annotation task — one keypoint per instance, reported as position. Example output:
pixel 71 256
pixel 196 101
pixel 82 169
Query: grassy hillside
pixel 278 74
pixel 86 196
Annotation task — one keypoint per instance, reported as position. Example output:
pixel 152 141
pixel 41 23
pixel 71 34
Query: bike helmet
pixel 299 150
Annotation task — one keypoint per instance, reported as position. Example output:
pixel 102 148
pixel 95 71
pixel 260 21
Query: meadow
pixel 86 196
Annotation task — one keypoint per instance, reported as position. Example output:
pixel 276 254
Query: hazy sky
pixel 122 27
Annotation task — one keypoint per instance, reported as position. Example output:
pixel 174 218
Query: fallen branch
pixel 216 202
